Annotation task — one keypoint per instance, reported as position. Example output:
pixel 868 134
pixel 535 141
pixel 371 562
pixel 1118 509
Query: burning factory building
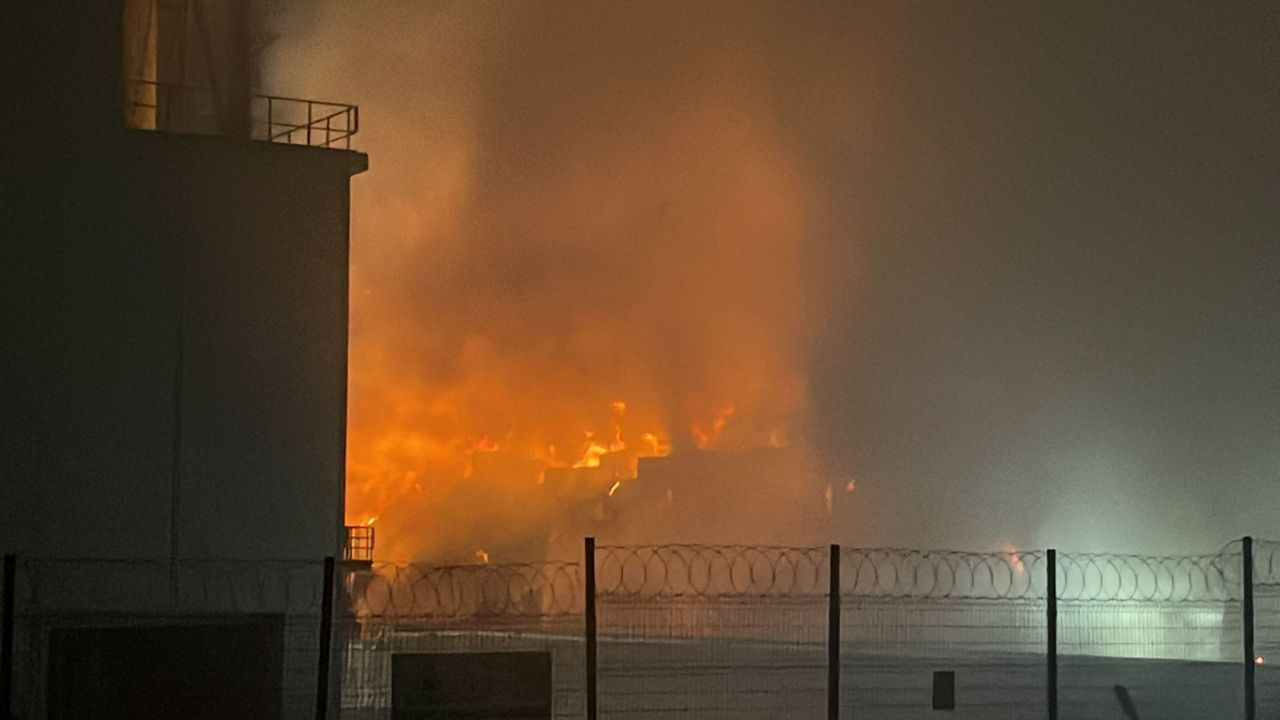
pixel 533 288
pixel 508 507
pixel 698 496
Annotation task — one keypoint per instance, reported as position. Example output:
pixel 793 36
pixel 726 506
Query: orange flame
pixel 644 295
pixel 591 453
pixel 707 436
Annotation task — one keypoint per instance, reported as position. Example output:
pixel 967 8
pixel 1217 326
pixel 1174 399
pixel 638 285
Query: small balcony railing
pixel 359 544
pixel 151 105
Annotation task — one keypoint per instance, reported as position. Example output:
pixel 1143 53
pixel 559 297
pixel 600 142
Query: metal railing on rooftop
pixel 152 105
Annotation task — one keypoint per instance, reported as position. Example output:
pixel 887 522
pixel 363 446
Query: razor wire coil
pixel 705 571
pixel 1141 578
pixel 455 592
pixel 923 574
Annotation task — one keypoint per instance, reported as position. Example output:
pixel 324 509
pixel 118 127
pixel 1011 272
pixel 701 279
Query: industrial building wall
pixel 89 320
pixel 264 351
pixel 175 313
pixel 60 66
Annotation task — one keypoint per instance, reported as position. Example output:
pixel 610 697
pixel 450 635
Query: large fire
pixel 551 289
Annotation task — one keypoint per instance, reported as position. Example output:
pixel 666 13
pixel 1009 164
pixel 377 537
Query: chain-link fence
pixel 711 632
pixel 407 609
pixel 664 631
pixel 107 632
pixel 908 614
pixel 1163 635
pixel 1266 622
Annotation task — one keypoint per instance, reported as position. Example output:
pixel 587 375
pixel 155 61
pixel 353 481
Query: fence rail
pixel 727 631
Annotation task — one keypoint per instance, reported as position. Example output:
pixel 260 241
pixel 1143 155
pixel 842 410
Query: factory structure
pixel 175 366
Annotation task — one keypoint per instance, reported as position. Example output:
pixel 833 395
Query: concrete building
pixel 174 305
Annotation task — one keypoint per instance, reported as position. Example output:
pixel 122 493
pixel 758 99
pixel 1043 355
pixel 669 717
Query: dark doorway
pixel 208 671
pixel 471 686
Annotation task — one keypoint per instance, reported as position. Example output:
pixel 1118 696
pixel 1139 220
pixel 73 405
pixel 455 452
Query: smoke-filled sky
pixel 1012 267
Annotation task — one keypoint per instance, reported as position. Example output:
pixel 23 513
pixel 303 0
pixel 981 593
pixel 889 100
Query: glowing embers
pixel 591 453
pixel 594 449
pixel 531 488
pixel 706 435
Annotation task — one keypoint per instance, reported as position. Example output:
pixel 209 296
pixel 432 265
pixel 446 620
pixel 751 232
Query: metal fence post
pixel 6 635
pixel 833 637
pixel 589 566
pixel 1250 659
pixel 1051 633
pixel 326 640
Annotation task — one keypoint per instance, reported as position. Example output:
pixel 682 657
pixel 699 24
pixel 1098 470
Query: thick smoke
pixel 1009 267
pixel 567 208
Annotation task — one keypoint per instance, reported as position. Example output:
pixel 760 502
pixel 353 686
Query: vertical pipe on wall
pixel 326 640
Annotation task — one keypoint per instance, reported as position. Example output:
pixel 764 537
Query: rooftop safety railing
pixel 152 105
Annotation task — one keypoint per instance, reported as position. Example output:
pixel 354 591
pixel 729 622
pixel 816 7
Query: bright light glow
pixel 1015 560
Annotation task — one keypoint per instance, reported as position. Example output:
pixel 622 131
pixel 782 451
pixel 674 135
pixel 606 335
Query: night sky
pixel 1038 280
pixel 1067 320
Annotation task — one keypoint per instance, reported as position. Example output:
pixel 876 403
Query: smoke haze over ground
pixel 1010 267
